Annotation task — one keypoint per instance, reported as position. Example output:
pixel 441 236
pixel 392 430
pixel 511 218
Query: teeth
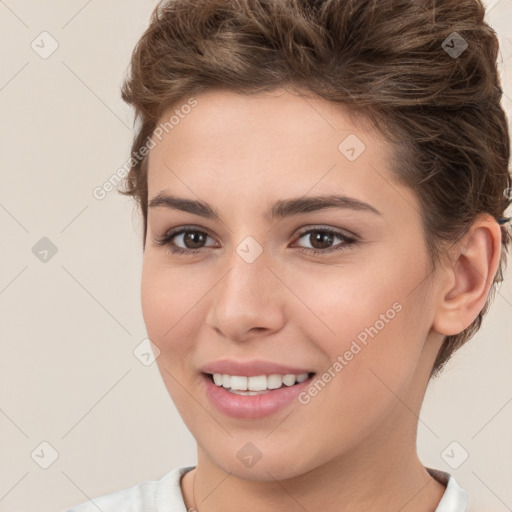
pixel 237 382
pixel 257 383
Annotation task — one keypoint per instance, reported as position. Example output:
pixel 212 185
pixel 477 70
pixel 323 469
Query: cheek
pixel 157 304
pixel 166 296
pixel 168 301
pixel 373 316
pixel 370 361
pixel 344 301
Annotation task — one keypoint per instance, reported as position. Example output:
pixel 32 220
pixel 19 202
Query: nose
pixel 247 301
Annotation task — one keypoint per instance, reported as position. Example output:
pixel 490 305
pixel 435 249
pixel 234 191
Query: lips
pixel 247 407
pixel 252 368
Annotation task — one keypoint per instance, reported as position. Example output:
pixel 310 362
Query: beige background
pixel 70 325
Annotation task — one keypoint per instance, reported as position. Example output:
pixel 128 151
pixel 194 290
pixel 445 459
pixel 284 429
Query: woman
pixel 323 187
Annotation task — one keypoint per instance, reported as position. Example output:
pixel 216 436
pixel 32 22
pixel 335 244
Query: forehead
pixel 275 143
pixel 263 121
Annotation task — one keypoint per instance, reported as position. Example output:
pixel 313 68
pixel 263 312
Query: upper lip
pixel 250 368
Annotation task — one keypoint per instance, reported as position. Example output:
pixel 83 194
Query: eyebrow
pixel 280 209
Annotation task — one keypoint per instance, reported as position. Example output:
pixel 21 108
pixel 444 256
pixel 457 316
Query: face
pixel 341 291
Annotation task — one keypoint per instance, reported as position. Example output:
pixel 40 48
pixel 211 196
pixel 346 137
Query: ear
pixel 468 277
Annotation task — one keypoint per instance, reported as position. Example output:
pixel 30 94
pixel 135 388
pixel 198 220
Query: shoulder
pixel 143 497
pixel 455 498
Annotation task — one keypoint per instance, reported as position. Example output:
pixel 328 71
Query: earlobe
pixel 469 277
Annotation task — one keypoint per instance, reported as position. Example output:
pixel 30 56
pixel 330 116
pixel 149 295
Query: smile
pixel 244 385
pixel 260 396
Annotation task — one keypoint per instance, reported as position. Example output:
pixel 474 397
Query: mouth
pixel 261 400
pixel 256 385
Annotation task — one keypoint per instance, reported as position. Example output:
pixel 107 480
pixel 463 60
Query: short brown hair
pixel 403 64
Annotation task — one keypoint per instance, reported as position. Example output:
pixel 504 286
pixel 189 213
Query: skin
pixel 353 447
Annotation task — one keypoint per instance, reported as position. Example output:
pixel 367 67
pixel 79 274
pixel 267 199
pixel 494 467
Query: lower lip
pixel 252 406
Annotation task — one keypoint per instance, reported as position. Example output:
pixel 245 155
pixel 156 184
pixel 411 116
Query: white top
pixel 164 495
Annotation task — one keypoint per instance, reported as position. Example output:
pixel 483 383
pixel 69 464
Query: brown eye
pixel 321 240
pixel 191 240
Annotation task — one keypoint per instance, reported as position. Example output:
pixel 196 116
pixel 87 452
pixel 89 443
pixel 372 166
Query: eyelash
pixel 167 238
